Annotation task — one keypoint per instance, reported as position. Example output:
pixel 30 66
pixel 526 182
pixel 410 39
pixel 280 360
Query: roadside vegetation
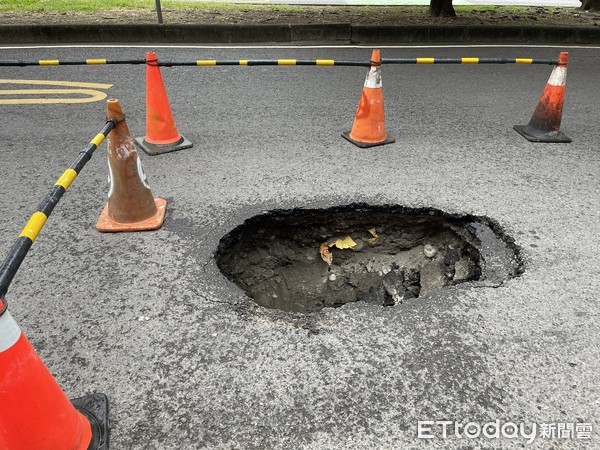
pixel 174 11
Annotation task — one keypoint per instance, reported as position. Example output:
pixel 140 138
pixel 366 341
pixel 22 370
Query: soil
pixel 381 15
pixel 282 261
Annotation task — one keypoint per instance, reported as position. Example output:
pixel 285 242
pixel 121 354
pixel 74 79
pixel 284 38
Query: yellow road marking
pixel 286 62
pixel 94 96
pixel 88 89
pixel 58 83
pixel 48 62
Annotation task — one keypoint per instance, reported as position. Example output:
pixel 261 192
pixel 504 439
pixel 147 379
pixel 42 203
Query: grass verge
pixel 59 6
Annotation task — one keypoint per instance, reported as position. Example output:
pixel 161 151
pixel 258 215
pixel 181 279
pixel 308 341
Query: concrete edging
pixel 474 33
pixel 309 33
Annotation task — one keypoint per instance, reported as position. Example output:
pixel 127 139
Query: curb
pixel 309 33
pixel 469 34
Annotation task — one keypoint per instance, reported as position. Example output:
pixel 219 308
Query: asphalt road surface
pixel 189 362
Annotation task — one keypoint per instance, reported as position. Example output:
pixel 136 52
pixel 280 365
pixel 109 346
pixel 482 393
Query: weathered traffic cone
pixel 131 206
pixel 161 133
pixel 35 413
pixel 368 129
pixel 545 123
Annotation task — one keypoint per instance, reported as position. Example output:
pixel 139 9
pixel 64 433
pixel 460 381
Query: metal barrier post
pixel 159 12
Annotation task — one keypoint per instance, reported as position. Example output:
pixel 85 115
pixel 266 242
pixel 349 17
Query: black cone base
pixel 154 149
pixel 346 136
pixel 533 135
pixel 95 408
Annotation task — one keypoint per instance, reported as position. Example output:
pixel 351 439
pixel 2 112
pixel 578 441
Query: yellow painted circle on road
pixel 88 89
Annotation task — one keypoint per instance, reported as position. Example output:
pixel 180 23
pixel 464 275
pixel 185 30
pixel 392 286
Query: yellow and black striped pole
pixel 200 62
pixel 269 62
pixel 58 62
pixel 282 62
pixel 35 224
pixel 468 60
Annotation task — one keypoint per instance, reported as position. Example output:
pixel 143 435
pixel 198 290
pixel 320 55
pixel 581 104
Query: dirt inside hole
pixel 280 259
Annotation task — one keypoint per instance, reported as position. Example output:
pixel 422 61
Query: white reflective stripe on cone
pixel 141 173
pixel 111 182
pixel 558 77
pixel 373 79
pixel 9 332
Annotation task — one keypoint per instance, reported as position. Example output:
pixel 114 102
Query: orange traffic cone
pixel 368 129
pixel 35 412
pixel 131 206
pixel 545 123
pixel 161 133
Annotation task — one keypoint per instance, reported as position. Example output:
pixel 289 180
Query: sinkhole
pixel 304 260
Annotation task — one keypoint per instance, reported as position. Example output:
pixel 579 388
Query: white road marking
pixel 297 46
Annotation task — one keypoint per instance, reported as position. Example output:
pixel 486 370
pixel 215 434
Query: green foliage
pixel 101 5
pixel 71 5
pixel 58 6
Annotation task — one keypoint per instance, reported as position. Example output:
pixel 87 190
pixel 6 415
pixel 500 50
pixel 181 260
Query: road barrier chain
pixel 17 254
pixel 282 62
pixel 468 61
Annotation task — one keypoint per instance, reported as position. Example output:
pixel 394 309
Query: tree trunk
pixel 444 8
pixel 590 5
